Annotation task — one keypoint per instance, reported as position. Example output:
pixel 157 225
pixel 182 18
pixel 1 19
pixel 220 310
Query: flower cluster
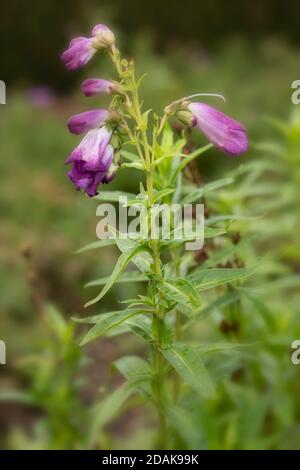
pixel 93 159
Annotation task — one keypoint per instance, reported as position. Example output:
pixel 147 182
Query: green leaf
pixel 183 422
pixel 129 155
pixel 177 238
pixel 56 321
pixel 128 276
pixel 187 159
pixel 196 194
pixel 225 252
pixel 135 165
pixel 95 245
pixel 189 365
pixel 143 262
pixel 218 347
pixel 137 372
pixel 209 278
pixel 113 196
pixel 106 323
pixel 161 194
pixel 140 325
pixel 105 411
pixel 218 303
pixel 182 292
pixel 260 307
pixel 121 264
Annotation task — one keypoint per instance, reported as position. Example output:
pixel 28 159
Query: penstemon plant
pixel 176 279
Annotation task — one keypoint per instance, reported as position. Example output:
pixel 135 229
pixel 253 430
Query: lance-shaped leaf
pixel 161 194
pixel 107 322
pixel 137 372
pixel 178 236
pixel 196 194
pixel 189 365
pixel 140 325
pixel 128 276
pixel 114 196
pixel 209 278
pixel 132 157
pixel 182 292
pixel 105 411
pixel 121 264
pixel 188 158
pixel 97 244
pixel 216 304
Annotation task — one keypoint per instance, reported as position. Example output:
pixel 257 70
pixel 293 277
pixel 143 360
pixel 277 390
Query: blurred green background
pixel 248 51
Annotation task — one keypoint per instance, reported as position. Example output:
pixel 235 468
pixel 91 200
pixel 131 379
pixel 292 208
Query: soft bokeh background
pixel 248 51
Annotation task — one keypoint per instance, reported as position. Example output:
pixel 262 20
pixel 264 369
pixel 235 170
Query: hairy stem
pixel 158 359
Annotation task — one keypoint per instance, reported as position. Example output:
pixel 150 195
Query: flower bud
pixel 103 37
pixel 99 86
pixel 186 117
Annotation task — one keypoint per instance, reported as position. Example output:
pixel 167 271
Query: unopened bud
pixel 104 37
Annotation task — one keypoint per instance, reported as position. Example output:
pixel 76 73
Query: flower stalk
pixel 95 160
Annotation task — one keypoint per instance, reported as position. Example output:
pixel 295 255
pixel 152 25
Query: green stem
pixel 158 375
pixel 158 359
pixel 177 331
pixel 147 157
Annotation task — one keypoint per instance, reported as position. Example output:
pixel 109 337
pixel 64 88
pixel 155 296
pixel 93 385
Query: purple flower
pixel 92 161
pixel 84 122
pixel 225 133
pixel 80 51
pixel 91 149
pixel 99 86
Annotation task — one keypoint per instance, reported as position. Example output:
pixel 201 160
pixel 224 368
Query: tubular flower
pixel 224 132
pixel 82 49
pixel 99 86
pixel 92 161
pixel 88 120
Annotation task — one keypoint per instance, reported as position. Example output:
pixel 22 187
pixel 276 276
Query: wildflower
pixel 88 120
pixel 99 86
pixel 82 49
pixel 92 161
pixel 224 132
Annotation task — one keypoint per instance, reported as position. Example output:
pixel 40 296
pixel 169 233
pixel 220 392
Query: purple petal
pixel 86 121
pixel 80 51
pixel 91 150
pixel 225 133
pixel 96 86
pixel 86 180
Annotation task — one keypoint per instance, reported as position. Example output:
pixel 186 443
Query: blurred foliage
pixel 45 221
pixel 36 32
